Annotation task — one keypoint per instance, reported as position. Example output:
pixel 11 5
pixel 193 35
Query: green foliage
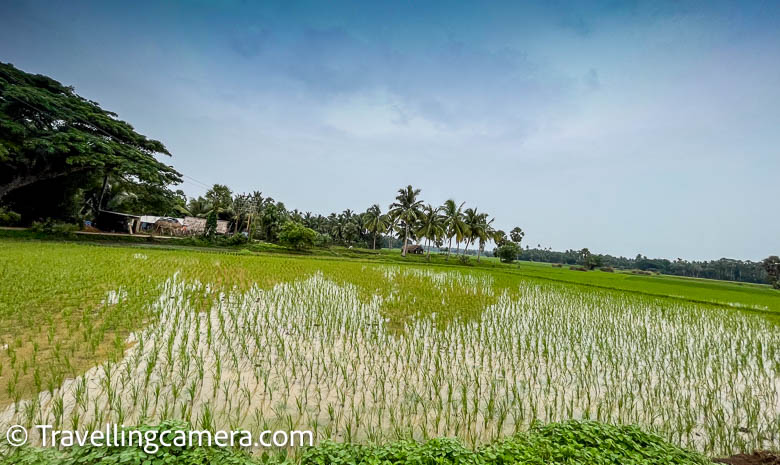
pixel 508 252
pixel 50 226
pixel 517 235
pixel 211 225
pixel 50 133
pixel 570 443
pixel 237 239
pixel 722 269
pixel 406 210
pixel 297 236
pixel 587 443
pixel 322 240
pixel 219 197
pixel 9 218
pixel 772 267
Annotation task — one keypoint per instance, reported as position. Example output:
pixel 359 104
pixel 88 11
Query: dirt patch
pixel 756 458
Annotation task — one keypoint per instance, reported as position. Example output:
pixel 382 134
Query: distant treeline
pixel 723 269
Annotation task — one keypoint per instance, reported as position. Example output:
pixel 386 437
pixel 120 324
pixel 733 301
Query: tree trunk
pixel 406 238
pixel 428 244
pixel 374 240
pixel 479 250
pixel 449 246
pixel 102 193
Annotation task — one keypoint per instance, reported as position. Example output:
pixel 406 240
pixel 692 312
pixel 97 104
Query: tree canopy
pixel 48 132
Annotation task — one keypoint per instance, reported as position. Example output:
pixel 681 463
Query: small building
pixel 414 248
pixel 147 223
pixel 197 225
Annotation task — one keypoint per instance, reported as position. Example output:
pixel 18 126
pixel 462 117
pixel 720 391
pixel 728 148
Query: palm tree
pixel 487 232
pixel 375 221
pixel 198 206
pixel 406 208
pixel 453 223
pixel 431 225
pixel 475 222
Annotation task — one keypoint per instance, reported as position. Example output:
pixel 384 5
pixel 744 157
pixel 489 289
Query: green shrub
pixel 297 236
pixel 237 239
pixel 53 227
pixel 508 252
pixel 9 218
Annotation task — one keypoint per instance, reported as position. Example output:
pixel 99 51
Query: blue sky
pixel 625 127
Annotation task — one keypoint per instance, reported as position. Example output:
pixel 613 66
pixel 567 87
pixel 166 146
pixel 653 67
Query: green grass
pixel 747 296
pixel 758 298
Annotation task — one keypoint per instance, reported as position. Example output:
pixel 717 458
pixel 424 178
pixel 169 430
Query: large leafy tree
pixel 48 133
pixel 771 265
pixel 406 209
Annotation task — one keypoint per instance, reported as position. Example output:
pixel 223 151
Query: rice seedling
pixel 368 353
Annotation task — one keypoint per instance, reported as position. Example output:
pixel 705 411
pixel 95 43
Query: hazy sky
pixel 624 127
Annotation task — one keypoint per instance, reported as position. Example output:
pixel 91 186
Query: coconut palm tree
pixel 453 223
pixel 375 221
pixel 406 209
pixel 431 226
pixel 486 232
pixel 474 221
pixel 199 206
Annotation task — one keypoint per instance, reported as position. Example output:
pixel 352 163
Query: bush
pixel 322 240
pixel 508 252
pixel 55 228
pixel 211 225
pixel 9 218
pixel 557 265
pixel 607 269
pixel 237 239
pixel 296 236
pixel 578 268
